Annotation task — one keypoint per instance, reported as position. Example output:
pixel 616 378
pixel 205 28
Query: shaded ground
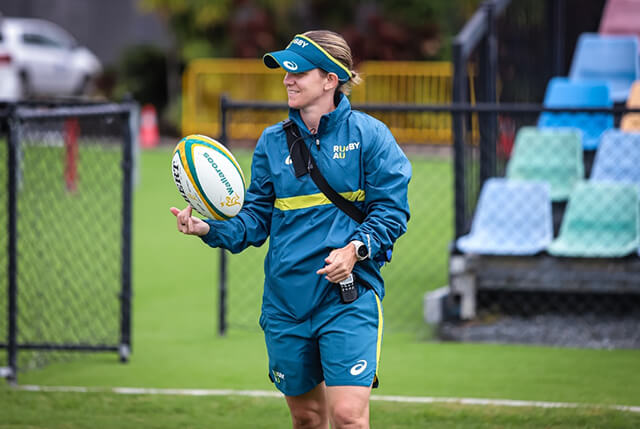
pixel 584 331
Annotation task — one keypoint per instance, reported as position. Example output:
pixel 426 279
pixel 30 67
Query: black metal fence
pixel 546 228
pixel 548 248
pixel 590 283
pixel 420 256
pixel 530 40
pixel 65 277
pixel 512 284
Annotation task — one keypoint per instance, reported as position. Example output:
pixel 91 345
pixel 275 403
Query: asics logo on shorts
pixel 358 367
pixel 288 160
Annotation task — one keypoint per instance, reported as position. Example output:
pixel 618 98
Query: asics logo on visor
pixel 290 65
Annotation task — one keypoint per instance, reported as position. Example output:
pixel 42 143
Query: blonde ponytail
pixel 338 48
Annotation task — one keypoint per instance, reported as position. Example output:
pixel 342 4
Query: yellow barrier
pixel 384 82
pixel 413 83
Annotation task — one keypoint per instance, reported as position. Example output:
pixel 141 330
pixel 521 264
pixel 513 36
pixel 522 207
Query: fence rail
pixel 421 260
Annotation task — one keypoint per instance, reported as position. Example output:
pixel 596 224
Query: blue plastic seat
pixel 617 158
pixel 562 92
pixel 513 217
pixel 613 59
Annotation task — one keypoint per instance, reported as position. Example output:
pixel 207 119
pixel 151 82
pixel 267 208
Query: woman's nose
pixel 288 79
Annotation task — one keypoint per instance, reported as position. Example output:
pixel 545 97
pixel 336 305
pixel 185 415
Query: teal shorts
pixel 339 344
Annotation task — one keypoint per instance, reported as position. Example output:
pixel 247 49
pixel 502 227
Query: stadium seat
pixel 631 121
pixel 617 158
pixel 621 17
pixel 562 92
pixel 549 155
pixel 512 218
pixel 601 221
pixel 613 59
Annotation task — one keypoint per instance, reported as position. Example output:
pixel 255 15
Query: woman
pixel 323 353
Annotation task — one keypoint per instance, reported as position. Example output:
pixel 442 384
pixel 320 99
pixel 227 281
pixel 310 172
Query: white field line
pixel 274 394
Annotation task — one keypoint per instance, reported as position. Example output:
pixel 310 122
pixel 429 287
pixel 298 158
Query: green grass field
pixel 110 411
pixel 175 343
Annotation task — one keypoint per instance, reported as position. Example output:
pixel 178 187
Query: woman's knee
pixel 310 409
pixel 304 418
pixel 348 414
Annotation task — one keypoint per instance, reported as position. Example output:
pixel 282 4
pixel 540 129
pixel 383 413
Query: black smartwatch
pixel 362 251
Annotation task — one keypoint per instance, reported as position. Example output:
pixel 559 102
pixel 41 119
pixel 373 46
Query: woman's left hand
pixel 340 263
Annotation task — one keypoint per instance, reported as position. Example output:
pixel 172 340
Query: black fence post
pixel 13 168
pixel 222 299
pixel 558 39
pixel 459 96
pixel 489 74
pixel 124 349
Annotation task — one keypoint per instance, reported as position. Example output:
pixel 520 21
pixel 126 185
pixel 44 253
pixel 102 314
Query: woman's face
pixel 306 88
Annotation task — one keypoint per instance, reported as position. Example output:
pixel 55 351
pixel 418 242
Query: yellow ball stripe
pixel 224 151
pixel 202 197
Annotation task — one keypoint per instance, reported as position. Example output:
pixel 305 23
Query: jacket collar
pixel 327 121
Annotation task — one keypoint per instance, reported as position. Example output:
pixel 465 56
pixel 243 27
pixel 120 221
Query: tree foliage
pixel 375 29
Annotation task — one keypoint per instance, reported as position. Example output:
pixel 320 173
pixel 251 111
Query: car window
pixel 41 40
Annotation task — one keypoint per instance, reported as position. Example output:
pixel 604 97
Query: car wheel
pixel 25 86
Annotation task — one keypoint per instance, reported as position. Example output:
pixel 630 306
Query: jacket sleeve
pixel 387 172
pixel 251 226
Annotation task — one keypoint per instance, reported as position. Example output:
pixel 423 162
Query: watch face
pixel 362 251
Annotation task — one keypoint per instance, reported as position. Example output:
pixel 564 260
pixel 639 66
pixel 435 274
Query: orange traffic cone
pixel 149 136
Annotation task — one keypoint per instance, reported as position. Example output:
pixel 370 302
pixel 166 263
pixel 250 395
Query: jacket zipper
pixel 317 140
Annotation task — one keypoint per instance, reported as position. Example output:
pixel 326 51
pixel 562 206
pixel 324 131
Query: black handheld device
pixel 348 290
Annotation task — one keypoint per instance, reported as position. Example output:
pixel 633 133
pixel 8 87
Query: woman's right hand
pixel 188 224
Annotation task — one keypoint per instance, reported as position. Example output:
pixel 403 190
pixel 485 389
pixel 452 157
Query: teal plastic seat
pixel 601 221
pixel 552 155
pixel 512 218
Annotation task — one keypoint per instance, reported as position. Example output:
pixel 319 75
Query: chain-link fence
pixel 65 264
pixel 4 239
pixel 546 200
pixel 512 218
pixel 550 260
pixel 419 258
pixel 551 238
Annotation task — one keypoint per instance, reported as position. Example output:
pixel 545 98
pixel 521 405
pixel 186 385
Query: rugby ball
pixel 208 177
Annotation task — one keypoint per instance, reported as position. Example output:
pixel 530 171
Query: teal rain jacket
pixel 360 159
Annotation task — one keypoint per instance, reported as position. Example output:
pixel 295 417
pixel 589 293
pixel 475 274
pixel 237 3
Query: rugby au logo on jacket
pixel 340 151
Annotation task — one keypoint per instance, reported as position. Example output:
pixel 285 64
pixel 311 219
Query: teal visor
pixel 303 54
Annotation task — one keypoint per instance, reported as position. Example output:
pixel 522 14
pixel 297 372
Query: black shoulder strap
pixel 304 163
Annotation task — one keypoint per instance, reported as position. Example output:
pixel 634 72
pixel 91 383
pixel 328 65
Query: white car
pixel 40 59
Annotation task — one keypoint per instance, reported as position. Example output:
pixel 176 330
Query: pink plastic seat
pixel 621 17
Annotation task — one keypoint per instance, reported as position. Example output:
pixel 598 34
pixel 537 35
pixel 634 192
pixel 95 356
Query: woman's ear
pixel 332 82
